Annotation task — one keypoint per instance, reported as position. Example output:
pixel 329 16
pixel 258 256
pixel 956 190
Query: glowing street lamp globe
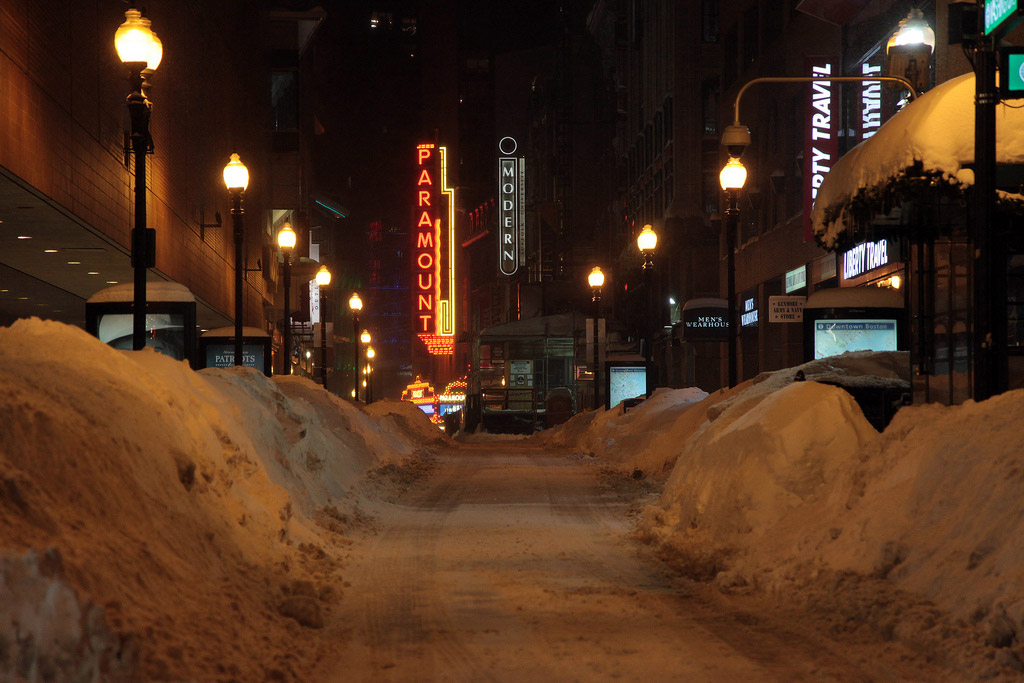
pixel 733 175
pixel 596 278
pixel 136 42
pixel 286 237
pixel 365 337
pixel 647 240
pixel 323 276
pixel 236 175
pixel 355 303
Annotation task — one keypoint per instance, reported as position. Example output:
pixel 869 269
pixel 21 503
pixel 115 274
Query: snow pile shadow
pixel 187 506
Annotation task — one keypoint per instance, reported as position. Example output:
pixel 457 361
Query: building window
pixel 751 20
pixel 284 99
pixel 668 118
pixel 659 130
pixel 729 73
pixel 709 21
pixel 709 105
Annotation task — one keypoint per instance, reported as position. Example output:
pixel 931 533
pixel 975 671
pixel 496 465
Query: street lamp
pixel 286 240
pixel 236 178
pixel 646 241
pixel 596 282
pixel 732 179
pixel 140 51
pixel 355 304
pixel 370 353
pixel 323 278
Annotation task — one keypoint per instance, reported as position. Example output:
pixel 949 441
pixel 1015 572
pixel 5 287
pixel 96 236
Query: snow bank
pixel 786 482
pixel 192 507
pixel 646 437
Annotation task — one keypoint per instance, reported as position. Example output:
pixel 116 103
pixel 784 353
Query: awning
pixel 564 325
pixel 929 142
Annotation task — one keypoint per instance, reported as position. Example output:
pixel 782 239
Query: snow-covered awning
pixel 931 138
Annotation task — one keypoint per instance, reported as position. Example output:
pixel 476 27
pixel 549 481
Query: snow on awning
pixel 933 136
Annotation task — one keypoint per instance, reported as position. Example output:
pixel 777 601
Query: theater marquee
pixel 434 252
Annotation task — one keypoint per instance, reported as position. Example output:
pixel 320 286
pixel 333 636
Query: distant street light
pixel 732 179
pixel 140 51
pixel 646 241
pixel 596 282
pixel 323 278
pixel 355 304
pixel 286 240
pixel 236 178
pixel 370 353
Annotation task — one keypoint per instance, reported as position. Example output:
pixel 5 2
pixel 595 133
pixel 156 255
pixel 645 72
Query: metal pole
pixel 355 338
pixel 648 349
pixel 138 110
pixel 287 367
pixel 323 337
pixel 989 274
pixel 597 352
pixel 731 219
pixel 236 219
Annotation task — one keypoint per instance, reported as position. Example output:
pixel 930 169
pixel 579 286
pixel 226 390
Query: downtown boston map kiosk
pixel 854 319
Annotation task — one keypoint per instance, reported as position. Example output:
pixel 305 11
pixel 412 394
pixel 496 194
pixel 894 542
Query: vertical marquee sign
pixel 511 208
pixel 821 139
pixel 434 252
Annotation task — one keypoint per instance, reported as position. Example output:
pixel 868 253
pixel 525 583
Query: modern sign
pixel 1001 16
pixel 865 257
pixel 511 208
pixel 434 251
pixel 796 279
pixel 705 323
pixel 821 139
pixel 786 309
pixel 1011 72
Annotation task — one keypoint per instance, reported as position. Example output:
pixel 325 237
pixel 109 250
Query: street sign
pixel 1011 73
pixel 1001 16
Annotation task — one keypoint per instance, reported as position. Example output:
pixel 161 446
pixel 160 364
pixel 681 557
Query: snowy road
pixel 514 565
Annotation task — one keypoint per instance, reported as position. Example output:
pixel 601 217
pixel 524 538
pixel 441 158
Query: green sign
pixel 1011 73
pixel 1000 16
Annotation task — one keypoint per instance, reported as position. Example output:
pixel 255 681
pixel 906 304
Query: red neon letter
pixel 424 198
pixel 425 240
pixel 430 281
pixel 430 260
pixel 424 179
pixel 425 302
pixel 422 155
pixel 425 318
pixel 425 220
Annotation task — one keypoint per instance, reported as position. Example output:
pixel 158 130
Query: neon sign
pixel 511 208
pixel 434 252
pixel 821 142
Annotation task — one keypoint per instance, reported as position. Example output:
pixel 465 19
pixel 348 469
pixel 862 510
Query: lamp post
pixel 370 353
pixel 732 179
pixel 323 278
pixel 355 304
pixel 286 240
pixel 140 51
pixel 236 178
pixel 646 241
pixel 596 282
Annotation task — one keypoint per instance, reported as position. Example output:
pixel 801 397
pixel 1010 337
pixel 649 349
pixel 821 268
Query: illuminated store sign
pixel 749 317
pixel 870 101
pixel 433 253
pixel 796 279
pixel 511 208
pixel 864 257
pixel 821 142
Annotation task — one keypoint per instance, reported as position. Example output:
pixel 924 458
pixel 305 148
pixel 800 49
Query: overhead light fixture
pixel 49 251
pixel 94 272
pixel 24 237
pixel 113 282
pixel 74 263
